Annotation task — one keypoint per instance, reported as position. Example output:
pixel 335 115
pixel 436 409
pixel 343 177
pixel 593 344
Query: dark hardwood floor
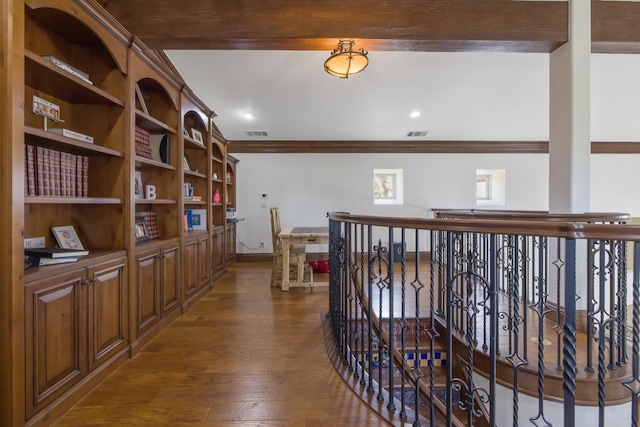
pixel 245 355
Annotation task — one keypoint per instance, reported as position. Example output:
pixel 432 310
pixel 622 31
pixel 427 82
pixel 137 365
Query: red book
pixel 64 174
pixel 40 171
pixel 72 175
pixel 55 173
pixel 46 163
pixel 85 177
pixel 26 174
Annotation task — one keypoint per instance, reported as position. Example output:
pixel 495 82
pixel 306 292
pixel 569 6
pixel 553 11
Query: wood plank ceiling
pixel 403 25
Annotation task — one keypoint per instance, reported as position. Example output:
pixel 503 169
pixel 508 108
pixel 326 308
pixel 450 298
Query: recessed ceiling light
pixel 414 114
pixel 247 115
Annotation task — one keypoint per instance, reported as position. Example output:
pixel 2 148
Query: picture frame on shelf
pixel 66 237
pixel 187 163
pixel 138 188
pixel 197 136
pixel 44 108
pixel 199 219
pixel 185 132
pixel 140 230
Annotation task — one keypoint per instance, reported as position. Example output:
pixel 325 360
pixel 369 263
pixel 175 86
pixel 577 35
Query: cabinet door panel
pixel 170 278
pixel 55 337
pixel 203 261
pixel 191 268
pixel 217 248
pixel 107 311
pixel 148 304
pixel 230 244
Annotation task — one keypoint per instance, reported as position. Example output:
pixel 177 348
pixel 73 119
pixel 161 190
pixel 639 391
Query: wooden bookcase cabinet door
pixel 170 280
pixel 107 310
pixel 147 290
pixel 191 266
pixel 157 285
pixel 230 244
pixel 197 254
pixel 217 250
pixel 75 322
pixel 203 255
pixel 56 335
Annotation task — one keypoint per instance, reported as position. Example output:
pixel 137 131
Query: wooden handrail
pixel 562 229
pixel 588 217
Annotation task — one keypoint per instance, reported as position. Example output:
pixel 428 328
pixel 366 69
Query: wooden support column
pixel 12 212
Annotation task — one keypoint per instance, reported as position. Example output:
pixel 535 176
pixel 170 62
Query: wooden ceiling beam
pixel 465 147
pixel 614 27
pixel 407 25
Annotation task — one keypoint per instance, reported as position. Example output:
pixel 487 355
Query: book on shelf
pixel 40 261
pixel 192 198
pixel 142 140
pixel 71 134
pixel 56 173
pixel 55 252
pixel 68 68
pixel 189 219
pixel 150 219
pixel 30 170
pixel 159 147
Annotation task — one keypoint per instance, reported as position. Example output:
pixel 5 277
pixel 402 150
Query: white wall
pixel 307 186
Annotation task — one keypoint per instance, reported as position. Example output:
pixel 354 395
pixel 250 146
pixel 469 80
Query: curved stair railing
pixel 516 320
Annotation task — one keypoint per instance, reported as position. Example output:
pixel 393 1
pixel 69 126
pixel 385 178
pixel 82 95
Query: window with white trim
pixel 490 187
pixel 387 187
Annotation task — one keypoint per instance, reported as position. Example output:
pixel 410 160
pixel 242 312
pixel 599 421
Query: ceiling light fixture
pixel 414 114
pixel 344 61
pixel 247 115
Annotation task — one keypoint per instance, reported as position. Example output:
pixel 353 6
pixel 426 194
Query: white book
pixel 72 134
pixel 68 68
pixel 58 63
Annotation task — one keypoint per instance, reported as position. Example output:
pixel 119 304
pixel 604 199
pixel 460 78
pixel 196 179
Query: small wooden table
pixel 300 236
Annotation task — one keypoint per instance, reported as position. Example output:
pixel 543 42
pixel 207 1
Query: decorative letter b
pixel 150 192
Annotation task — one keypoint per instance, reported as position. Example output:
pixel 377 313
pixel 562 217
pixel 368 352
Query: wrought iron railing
pixel 445 319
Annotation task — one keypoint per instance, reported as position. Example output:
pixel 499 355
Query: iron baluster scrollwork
pixel 349 297
pixel 560 269
pixel 379 273
pixel 392 330
pixel 633 383
pixel 370 387
pixel 404 325
pixel 541 308
pixel 569 349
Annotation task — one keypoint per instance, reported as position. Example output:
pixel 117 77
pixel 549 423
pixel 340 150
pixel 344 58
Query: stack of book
pixel 55 173
pixel 39 257
pixel 143 145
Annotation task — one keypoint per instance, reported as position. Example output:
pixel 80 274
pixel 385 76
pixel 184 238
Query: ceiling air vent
pixel 256 133
pixel 418 133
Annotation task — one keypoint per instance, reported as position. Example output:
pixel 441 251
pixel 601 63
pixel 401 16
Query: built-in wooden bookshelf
pixel 196 121
pixel 82 320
